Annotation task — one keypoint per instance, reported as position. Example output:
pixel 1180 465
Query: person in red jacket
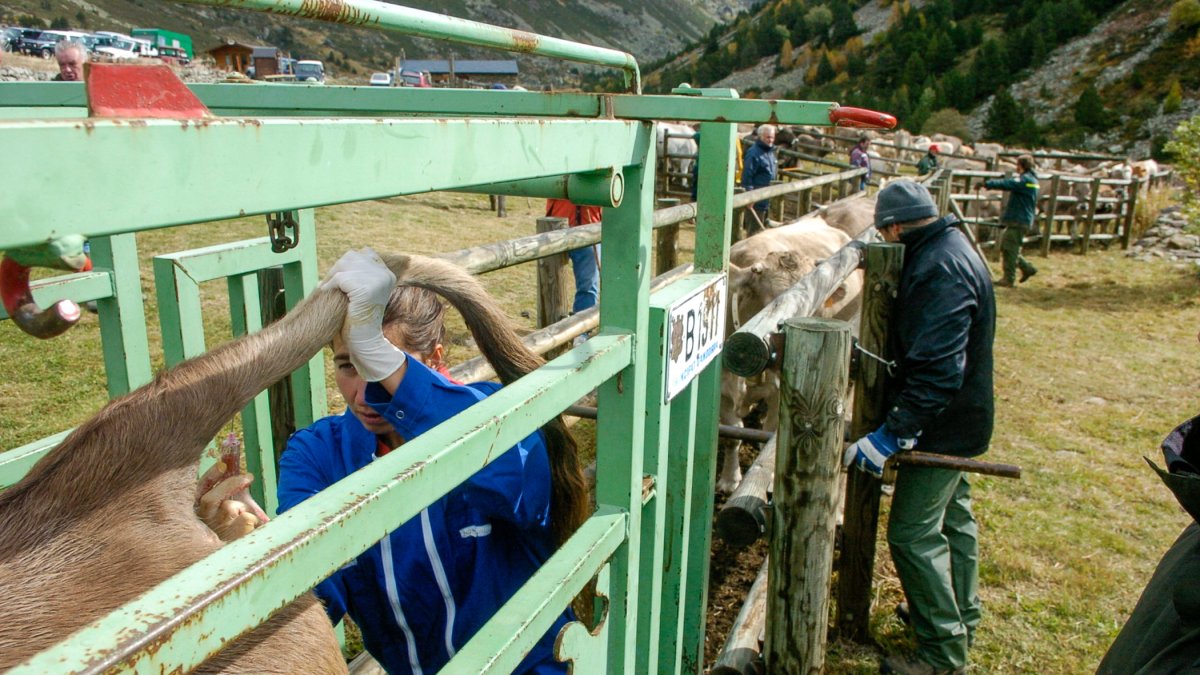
pixel 585 262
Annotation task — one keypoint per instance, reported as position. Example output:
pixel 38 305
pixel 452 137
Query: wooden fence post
pixel 860 522
pixel 1131 192
pixel 1048 226
pixel 666 250
pixel 804 516
pixel 1090 226
pixel 553 304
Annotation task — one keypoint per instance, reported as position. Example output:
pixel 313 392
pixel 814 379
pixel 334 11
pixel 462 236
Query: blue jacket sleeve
pixel 303 472
pixel 513 488
pixel 935 362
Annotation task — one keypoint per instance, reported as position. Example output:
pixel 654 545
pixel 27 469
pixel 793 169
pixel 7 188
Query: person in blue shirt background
pixel 759 169
pixel 424 590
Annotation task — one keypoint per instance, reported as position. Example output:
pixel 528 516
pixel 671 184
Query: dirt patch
pixel 731 574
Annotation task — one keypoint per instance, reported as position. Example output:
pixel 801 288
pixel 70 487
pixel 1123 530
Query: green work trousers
pixel 1010 248
pixel 934 542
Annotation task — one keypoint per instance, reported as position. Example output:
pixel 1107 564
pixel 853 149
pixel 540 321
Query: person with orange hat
pixel 929 163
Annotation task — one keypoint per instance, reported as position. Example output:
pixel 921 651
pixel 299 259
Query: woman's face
pixel 353 387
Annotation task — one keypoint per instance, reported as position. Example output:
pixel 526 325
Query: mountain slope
pixel 918 57
pixel 648 30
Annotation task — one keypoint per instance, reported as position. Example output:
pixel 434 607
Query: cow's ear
pixel 758 268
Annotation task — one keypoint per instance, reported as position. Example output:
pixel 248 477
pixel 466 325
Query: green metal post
pixel 122 316
pixel 715 181
pixel 300 278
pixel 625 278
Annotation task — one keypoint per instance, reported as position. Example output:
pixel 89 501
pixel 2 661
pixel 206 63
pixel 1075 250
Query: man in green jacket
pixel 928 163
pixel 1017 219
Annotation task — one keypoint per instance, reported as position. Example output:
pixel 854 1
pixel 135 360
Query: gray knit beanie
pixel 902 201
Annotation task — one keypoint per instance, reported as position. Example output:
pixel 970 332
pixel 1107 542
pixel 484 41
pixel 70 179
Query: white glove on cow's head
pixel 367 283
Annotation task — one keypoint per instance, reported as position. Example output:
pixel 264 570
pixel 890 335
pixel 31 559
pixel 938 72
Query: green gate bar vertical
pixel 620 429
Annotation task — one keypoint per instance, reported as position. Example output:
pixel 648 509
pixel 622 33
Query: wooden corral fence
pixel 671 178
pixel 1072 209
pixel 646 544
pixel 790 493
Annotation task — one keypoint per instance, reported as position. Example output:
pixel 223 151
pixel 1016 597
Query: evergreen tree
pixel 1089 110
pixel 1004 118
pixel 843 27
pixel 915 71
pixel 825 71
pixel 990 68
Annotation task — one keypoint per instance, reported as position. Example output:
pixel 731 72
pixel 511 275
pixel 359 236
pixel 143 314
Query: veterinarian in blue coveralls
pixel 428 586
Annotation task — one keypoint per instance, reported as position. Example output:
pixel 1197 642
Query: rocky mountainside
pixel 1110 75
pixel 648 30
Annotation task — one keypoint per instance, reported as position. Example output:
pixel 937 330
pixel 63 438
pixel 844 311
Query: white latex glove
pixel 367 283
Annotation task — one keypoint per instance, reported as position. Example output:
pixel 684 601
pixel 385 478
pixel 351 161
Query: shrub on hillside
pixel 1090 112
pixel 947 121
pixel 1184 149
pixel 1185 14
pixel 1174 98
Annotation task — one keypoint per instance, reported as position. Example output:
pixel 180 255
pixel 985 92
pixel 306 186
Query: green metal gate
pixel 648 541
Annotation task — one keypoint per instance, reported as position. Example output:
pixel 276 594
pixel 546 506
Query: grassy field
pixel 1096 362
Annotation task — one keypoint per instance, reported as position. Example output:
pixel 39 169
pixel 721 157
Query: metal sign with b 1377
pixel 695 334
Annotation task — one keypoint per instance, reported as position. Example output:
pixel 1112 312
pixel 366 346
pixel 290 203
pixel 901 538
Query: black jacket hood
pixel 1181 452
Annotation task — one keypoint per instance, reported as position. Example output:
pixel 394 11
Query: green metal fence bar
pixel 80 287
pixel 677 497
pixel 300 278
pixel 46 100
pixel 179 623
pixel 625 278
pixel 122 316
pixel 299 164
pixel 439 26
pixel 15 463
pixel 245 311
pixel 713 224
pixel 507 637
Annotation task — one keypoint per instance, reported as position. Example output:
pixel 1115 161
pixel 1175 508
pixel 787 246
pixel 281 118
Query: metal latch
pixel 278 225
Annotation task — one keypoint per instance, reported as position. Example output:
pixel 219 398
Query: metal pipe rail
pixel 438 26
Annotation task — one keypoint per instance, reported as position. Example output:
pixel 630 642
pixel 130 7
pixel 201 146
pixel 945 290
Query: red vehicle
pixel 412 78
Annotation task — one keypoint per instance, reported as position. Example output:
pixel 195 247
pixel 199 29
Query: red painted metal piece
pixel 116 90
pixel 19 303
pixel 861 118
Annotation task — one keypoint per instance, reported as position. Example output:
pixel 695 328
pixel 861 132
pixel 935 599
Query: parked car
pixel 16 37
pixel 41 44
pixel 381 79
pixel 173 55
pixel 310 71
pixel 412 78
pixel 117 46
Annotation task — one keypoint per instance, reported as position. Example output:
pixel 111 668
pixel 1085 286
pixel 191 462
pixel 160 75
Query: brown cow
pixel 109 513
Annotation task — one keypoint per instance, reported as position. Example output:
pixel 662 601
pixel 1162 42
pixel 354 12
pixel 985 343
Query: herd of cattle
pixel 677 147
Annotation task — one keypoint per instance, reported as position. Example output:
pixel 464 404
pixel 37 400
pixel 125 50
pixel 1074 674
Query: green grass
pixel 1096 362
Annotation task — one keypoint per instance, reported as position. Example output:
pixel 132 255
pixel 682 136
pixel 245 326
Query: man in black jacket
pixel 941 336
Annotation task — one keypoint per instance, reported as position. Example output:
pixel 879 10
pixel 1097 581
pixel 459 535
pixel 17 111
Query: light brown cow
pixel 761 268
pixel 851 216
pixel 109 513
